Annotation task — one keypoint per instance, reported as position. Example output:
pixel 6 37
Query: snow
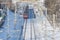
pixel 38 28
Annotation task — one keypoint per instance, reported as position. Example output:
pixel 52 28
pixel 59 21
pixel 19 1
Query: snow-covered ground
pixel 41 29
pixel 37 28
